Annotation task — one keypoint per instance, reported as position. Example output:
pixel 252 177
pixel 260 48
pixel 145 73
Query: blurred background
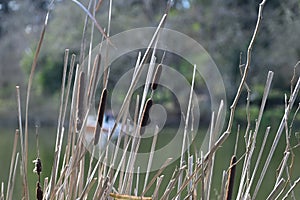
pixel 224 28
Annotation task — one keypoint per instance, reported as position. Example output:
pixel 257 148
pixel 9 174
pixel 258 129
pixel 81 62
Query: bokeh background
pixel 224 28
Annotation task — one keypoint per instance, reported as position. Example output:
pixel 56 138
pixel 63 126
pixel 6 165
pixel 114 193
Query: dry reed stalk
pixel 230 180
pixel 98 5
pixel 187 118
pixel 166 163
pixel 34 64
pixel 69 82
pixel 202 178
pixel 247 66
pixel 128 197
pixel 207 156
pixel 68 88
pixel 23 154
pixel 283 166
pixel 294 76
pixel 59 133
pixel 223 185
pixel 138 73
pixel 45 186
pixel 136 189
pixel 13 178
pixel 274 193
pixel 190 172
pixel 59 185
pixel 84 33
pixel 93 19
pixel 277 137
pixel 154 140
pixel 101 188
pixel 136 142
pixel 92 27
pixel 50 189
pixel 10 186
pixel 252 141
pixel 291 189
pixel 156 190
pixel 73 114
pixel 170 186
pixel 156 77
pixel 215 129
pixel 257 161
pixel 106 64
pixel 90 179
pixel 93 79
pixel 91 162
pixel 205 179
pixel 78 155
pixel 80 176
pixel 100 116
pixel 86 189
pixel 121 164
pixel 80 101
pixel 121 135
pixel 148 79
pixel 116 148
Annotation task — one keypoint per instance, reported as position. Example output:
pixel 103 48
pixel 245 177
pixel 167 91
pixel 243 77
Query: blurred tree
pixel 224 28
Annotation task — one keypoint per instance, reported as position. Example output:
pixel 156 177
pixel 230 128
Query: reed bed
pixel 103 178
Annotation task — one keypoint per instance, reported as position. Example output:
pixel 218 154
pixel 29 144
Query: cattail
pixel 39 191
pixel 145 115
pixel 38 166
pixel 156 77
pixel 230 180
pixel 100 116
pixel 80 100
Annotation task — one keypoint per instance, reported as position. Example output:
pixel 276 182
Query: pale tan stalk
pixel 138 74
pixel 291 189
pixel 11 169
pixel 258 161
pixel 151 156
pixel 277 137
pixel 166 163
pixel 156 190
pixel 276 189
pixel 187 118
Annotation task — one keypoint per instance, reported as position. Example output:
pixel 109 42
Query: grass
pixel 261 170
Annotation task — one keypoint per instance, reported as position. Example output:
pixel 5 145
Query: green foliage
pixel 50 75
pixel 60 34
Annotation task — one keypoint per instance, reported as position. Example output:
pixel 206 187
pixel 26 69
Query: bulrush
pixel 156 77
pixel 145 115
pixel 80 100
pixel 100 116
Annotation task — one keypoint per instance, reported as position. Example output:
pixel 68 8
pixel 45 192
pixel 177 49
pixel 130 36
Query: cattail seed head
pixel 100 116
pixel 80 100
pixel 38 166
pixel 39 191
pixel 145 114
pixel 156 77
